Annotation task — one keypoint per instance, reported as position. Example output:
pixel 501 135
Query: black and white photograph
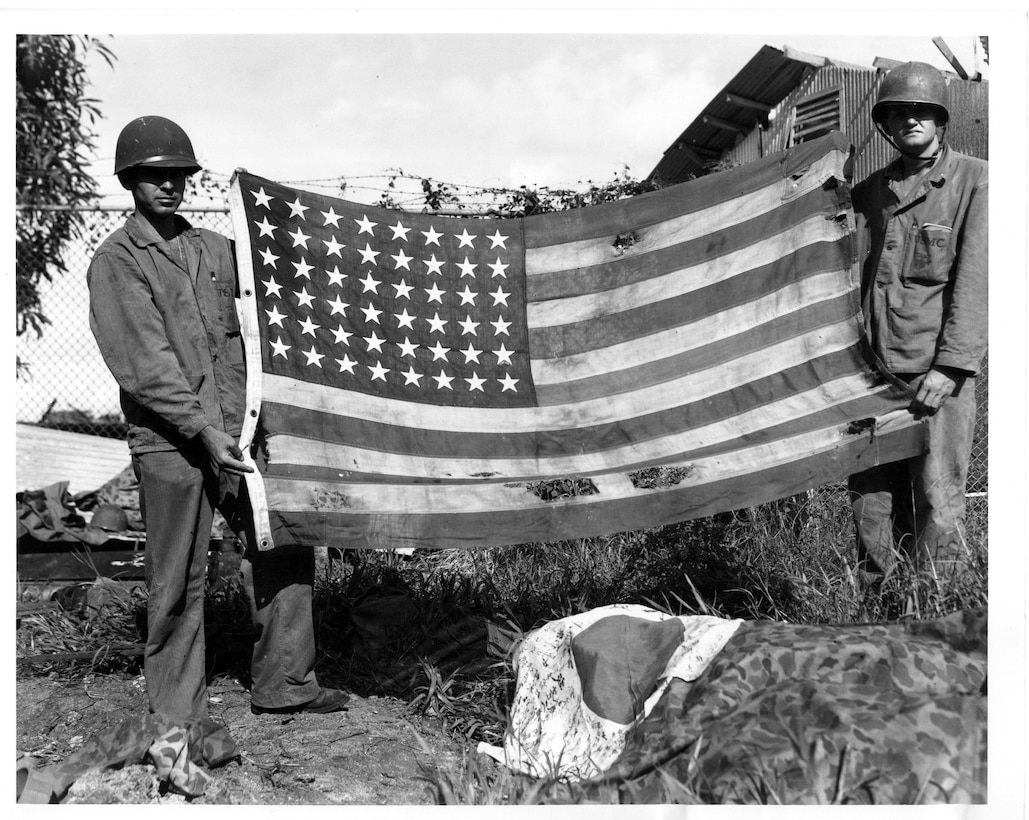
pixel 585 409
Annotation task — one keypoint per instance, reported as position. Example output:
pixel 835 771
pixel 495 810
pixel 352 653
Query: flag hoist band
pixel 417 380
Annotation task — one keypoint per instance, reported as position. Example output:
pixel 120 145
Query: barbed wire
pixel 469 195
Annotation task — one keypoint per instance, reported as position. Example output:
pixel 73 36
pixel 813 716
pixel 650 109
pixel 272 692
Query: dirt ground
pixel 375 753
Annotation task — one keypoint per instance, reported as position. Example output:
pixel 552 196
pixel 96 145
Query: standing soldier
pixel 161 306
pixel 923 223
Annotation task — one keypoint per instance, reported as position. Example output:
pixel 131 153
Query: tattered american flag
pixel 418 380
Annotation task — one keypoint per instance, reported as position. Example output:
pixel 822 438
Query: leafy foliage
pixel 53 138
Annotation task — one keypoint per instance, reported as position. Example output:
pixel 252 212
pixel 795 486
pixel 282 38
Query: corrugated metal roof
pixel 769 78
pixel 770 75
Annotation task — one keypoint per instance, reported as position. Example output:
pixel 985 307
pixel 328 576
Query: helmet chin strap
pixel 930 160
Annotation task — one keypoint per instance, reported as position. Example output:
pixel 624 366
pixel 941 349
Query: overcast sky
pixel 472 108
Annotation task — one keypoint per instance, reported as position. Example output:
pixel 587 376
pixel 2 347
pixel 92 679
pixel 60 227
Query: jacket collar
pixel 937 174
pixel 142 233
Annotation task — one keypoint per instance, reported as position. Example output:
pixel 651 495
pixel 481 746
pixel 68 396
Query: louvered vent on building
pixel 816 115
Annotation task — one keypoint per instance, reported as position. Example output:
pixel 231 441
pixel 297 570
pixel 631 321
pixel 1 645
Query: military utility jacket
pixel 163 314
pixel 924 265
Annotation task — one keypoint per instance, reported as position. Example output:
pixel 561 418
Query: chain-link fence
pixel 66 384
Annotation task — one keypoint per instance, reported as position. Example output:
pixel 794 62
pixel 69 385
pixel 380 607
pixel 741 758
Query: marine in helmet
pixel 162 310
pixel 922 229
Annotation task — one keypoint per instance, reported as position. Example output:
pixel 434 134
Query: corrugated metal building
pixel 782 97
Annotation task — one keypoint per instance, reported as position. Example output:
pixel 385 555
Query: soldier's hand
pixel 932 391
pixel 223 451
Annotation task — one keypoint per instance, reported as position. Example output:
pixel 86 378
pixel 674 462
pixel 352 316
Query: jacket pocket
pixel 929 253
pixel 194 380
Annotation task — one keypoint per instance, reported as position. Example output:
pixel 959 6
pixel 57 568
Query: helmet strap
pixel 930 160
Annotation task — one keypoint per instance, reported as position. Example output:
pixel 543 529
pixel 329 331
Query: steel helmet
pixel 154 141
pixel 109 517
pixel 911 83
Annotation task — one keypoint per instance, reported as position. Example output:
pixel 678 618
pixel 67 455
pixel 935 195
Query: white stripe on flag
pixel 475 497
pixel 313 453
pixel 555 312
pixel 669 232
pixel 624 355
pixel 692 387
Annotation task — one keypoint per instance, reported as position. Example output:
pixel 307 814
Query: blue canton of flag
pixel 388 303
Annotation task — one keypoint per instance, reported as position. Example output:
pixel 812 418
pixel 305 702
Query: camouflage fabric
pixel 176 751
pixel 886 713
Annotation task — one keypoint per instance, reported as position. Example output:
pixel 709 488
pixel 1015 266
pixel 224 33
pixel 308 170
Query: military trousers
pixel 178 492
pixel 915 508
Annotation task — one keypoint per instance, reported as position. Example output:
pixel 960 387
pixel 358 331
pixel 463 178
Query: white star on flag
pixel 434 293
pixel 443 380
pixel 279 348
pixel 403 289
pixel 499 297
pixel 434 265
pixel 436 324
pixel 271 286
pixel 378 372
pixel 405 319
pixel 261 198
pixel 439 352
pixel 342 337
pixel 303 269
pixel 266 227
pixel 299 238
pixel 308 327
pixel 498 240
pixel 303 297
pixel 313 357
pixel 296 209
pixel 475 383
pixel 503 354
pixel 337 305
pixel 368 255
pixel 399 231
pixel 467 296
pixel 498 268
pixel 407 347
pixel 335 277
pixel 401 259
pixel 333 247
pixel 366 225
pixel 468 326
pixel 467 268
pixel 274 317
pixel 370 284
pixel 268 257
pixel 508 383
pixel 471 354
pixel 411 377
pixel 465 239
pixel 432 236
pixel 371 314
pixel 374 342
pixel 331 217
pixel 346 364
pixel 500 326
